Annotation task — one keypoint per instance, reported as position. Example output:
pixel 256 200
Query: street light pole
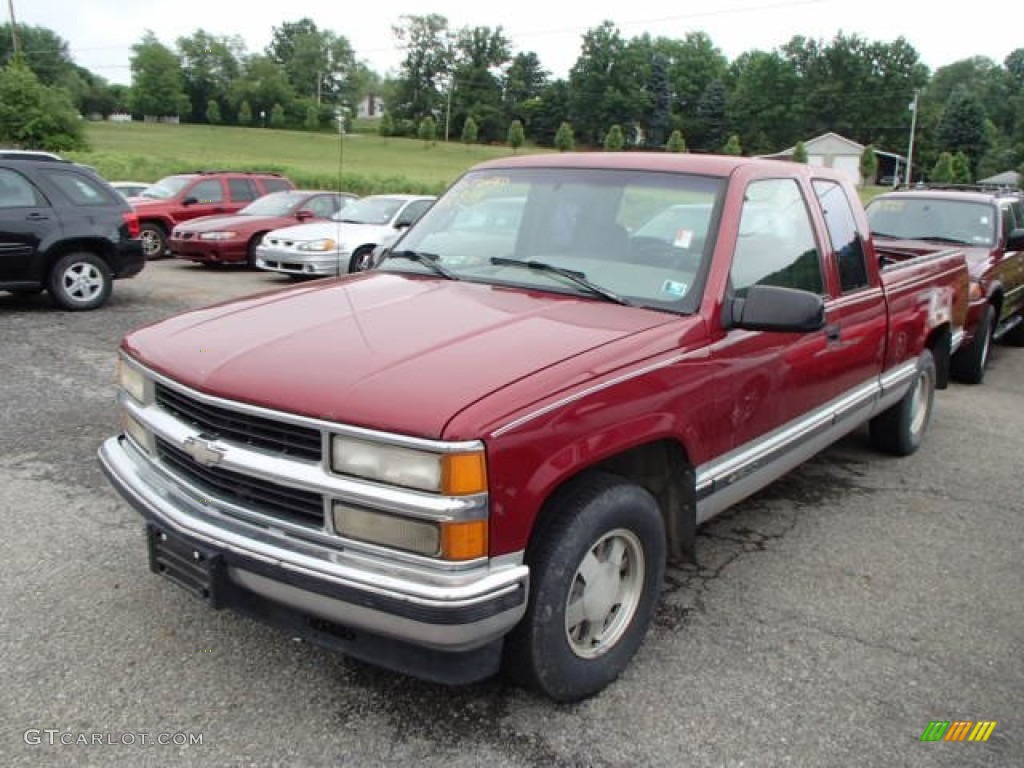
pixel 913 128
pixel 14 29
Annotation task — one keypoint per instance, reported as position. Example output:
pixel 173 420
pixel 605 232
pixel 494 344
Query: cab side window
pixel 776 245
pixel 208 191
pixel 17 192
pixel 842 231
pixel 242 190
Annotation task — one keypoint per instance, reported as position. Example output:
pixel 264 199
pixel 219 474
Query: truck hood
pixel 391 352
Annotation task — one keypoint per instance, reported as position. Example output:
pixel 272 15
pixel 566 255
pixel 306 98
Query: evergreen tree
pixel 676 142
pixel 800 153
pixel 732 146
pixel 564 139
pixel 614 140
pixel 961 168
pixel 661 94
pixel 942 173
pixel 516 137
pixel 213 115
pixel 428 130
pixel 469 131
pixel 868 164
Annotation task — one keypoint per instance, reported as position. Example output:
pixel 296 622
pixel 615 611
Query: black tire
pixel 362 259
pixel 594 516
pixel 154 240
pixel 79 281
pixel 968 364
pixel 1015 336
pixel 900 429
pixel 250 249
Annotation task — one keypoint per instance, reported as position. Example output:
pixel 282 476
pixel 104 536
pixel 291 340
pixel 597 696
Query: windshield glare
pixel 369 210
pixel 167 188
pixel 639 235
pixel 923 218
pixel 274 204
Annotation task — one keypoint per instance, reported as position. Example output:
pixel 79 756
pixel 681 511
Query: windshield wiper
pixel 429 260
pixel 941 239
pixel 580 278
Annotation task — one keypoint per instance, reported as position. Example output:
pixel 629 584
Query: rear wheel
pixel 80 281
pixel 900 429
pixel 968 364
pixel 596 571
pixel 154 240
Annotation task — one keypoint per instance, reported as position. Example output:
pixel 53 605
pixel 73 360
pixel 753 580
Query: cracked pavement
pixel 825 621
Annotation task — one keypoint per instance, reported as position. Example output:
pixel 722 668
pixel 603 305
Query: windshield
pixel 635 236
pixel 167 188
pixel 274 204
pixel 370 210
pixel 929 218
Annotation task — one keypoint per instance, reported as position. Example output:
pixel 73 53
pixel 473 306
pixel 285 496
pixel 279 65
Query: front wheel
pixel 154 240
pixel 361 260
pixel 80 281
pixel 900 429
pixel 596 570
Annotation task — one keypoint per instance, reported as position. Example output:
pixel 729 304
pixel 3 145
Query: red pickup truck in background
pixel 483 451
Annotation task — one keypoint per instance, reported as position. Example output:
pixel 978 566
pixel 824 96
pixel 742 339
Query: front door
pixel 25 219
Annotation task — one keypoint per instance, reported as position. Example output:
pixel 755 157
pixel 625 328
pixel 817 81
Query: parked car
pixel 444 465
pixel 185 196
pixel 343 244
pixel 130 188
pixel 63 229
pixel 233 239
pixel 989 225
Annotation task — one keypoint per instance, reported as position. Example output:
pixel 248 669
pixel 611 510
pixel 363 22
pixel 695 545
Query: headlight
pixel 318 246
pixel 218 235
pixel 462 540
pixel 137 432
pixel 451 474
pixel 131 380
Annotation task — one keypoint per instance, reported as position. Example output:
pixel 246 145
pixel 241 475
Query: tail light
pixel 132 220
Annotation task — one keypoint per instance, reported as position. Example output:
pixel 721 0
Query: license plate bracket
pixel 195 568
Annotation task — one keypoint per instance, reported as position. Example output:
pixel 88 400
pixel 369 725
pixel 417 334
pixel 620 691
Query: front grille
pixel 289 504
pixel 243 428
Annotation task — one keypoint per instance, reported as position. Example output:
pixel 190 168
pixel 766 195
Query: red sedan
pixel 233 239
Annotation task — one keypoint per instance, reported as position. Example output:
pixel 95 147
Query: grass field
pixel 368 163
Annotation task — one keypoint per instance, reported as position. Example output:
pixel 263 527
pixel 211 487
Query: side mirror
pixel 304 214
pixel 1015 242
pixel 189 201
pixel 772 308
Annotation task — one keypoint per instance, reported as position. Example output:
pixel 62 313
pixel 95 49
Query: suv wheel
pixel 154 240
pixel 80 280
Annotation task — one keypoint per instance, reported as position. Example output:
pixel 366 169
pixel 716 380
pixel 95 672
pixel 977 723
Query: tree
pixel 709 129
pixel 262 84
pixel 209 65
pixel 515 135
pixel 546 113
pixel 732 146
pixel 942 173
pixel 614 140
pixel 469 131
pixel 35 116
pixel 478 53
pixel 524 82
pixel 868 164
pixel 317 63
pixel 661 101
pixel 245 114
pixel 277 116
pixel 962 126
pixel 158 84
pixel 42 52
pixel 213 116
pixel 800 153
pixel 676 143
pixel 428 130
pixel 564 139
pixel 762 101
pixel 428 64
pixel 312 121
pixel 387 125
pixel 961 169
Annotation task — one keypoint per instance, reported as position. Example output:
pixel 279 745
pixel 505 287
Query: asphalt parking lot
pixel 828 620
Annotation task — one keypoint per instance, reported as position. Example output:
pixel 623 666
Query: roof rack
pixel 976 187
pixel 30 154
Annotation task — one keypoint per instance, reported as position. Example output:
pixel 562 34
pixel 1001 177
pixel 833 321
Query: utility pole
pixel 448 109
pixel 913 128
pixel 14 29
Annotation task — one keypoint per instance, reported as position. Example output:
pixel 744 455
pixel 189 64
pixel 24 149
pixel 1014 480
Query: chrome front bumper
pixel 311 264
pixel 442 611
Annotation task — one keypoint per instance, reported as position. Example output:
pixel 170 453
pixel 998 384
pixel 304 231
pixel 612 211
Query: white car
pixel 343 244
pixel 130 188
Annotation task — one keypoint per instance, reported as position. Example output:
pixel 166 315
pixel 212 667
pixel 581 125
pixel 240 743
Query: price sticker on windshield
pixel 683 238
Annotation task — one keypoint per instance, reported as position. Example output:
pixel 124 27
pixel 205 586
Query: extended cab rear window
pixel 80 189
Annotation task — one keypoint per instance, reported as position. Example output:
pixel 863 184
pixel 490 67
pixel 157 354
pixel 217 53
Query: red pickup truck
pixel 483 451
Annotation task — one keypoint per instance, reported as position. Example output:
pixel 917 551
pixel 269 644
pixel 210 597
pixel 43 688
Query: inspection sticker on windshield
pixel 683 238
pixel 674 288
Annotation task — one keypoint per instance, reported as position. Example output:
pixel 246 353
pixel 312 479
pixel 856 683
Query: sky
pixel 100 33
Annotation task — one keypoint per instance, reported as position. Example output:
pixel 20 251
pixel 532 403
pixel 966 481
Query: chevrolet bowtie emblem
pixel 203 451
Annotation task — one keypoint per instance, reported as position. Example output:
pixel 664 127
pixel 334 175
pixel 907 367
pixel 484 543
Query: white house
pixel 830 150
